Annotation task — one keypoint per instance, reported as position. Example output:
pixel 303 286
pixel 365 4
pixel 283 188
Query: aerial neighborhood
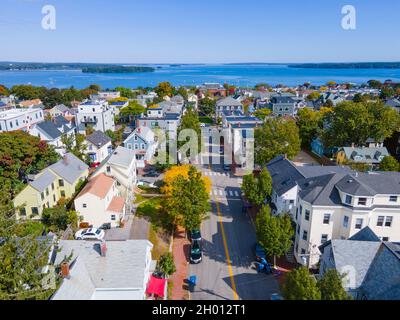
pixel 306 178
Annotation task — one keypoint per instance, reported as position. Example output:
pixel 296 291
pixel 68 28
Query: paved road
pixel 226 271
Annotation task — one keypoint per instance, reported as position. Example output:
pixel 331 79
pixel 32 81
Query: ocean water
pixel 242 75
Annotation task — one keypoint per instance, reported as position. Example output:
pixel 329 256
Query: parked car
pixel 146 184
pixel 195 235
pixel 94 164
pixel 89 234
pixel 260 252
pixel 195 252
pixel 105 226
pixel 153 174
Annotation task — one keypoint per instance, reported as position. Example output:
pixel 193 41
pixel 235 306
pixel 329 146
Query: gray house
pixel 282 105
pixel 371 266
pixel 227 104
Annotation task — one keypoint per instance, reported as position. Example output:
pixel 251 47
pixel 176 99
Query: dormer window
pixel 393 199
pixel 362 201
pixel 348 199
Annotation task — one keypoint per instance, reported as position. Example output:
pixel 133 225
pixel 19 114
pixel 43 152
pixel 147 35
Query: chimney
pixel 65 270
pixel 103 248
pixel 65 159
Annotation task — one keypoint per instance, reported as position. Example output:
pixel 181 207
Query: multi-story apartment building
pixel 20 119
pixel 334 203
pixel 227 104
pixel 95 113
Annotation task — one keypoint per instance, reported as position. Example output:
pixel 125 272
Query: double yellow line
pixel 228 260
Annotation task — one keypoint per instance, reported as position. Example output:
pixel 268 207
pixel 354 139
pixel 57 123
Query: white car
pixel 89 234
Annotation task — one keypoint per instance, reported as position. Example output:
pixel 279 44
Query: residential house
pixel 35 103
pixel 121 165
pixel 146 99
pixel 115 270
pixel 99 146
pixel 118 105
pixel 46 188
pixel 393 103
pixel 215 90
pixel 95 113
pixel 100 202
pixel 227 104
pixel 370 266
pixel 143 143
pixel 193 101
pixel 20 119
pixel 370 156
pixel 62 110
pixel 52 132
pixel 282 105
pixel 109 95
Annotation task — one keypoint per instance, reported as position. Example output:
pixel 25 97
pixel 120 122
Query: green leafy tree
pixel 300 285
pixel 183 92
pixel 276 137
pixel 58 218
pixel 376 84
pixel 75 144
pixel 190 120
pixel 313 96
pixel 166 264
pixel 310 124
pixel 389 163
pixel 207 106
pixel 262 113
pixel 351 122
pixel 164 89
pixel 126 92
pixel 331 286
pixel 133 110
pixel 257 189
pixel 274 233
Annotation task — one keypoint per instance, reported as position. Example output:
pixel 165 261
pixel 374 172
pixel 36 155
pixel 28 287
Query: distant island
pixel 117 69
pixel 350 65
pixel 85 67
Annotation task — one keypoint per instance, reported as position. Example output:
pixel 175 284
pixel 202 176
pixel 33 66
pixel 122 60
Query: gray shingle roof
pixel 43 181
pixel 98 138
pixel 122 157
pixel 69 168
pixel 228 101
pixel 124 266
pixel 50 129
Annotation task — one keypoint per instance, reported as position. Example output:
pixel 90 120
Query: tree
pixel 331 287
pixel 310 123
pixel 75 144
pixel 58 218
pixel 187 195
pixel 262 113
pixel 376 84
pixel 276 137
pixel 389 163
pixel 351 122
pixel 313 96
pixel 166 264
pixel 4 90
pixel 132 110
pixel 207 106
pixel 126 92
pixel 257 189
pixel 183 92
pixel 274 233
pixel 300 285
pixel 164 89
pixel 190 121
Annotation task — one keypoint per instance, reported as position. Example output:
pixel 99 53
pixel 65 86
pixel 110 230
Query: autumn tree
pixel 262 113
pixel 164 89
pixel 276 137
pixel 389 163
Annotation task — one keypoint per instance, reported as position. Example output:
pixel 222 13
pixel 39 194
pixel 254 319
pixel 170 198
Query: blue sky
pixel 207 31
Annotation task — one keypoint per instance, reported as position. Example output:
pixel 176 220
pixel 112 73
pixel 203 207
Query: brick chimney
pixel 103 248
pixel 65 270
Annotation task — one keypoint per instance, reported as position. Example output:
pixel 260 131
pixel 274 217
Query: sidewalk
pixel 180 250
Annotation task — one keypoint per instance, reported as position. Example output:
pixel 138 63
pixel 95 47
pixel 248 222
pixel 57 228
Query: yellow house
pixel 45 189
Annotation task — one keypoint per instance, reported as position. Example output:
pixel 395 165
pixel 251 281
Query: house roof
pixel 98 186
pixel 228 101
pixel 122 157
pixel 49 128
pixel 117 204
pixel 98 138
pixel 62 108
pixel 28 103
pixel 69 167
pixel 45 179
pixel 60 121
pixel 123 267
pixel 368 155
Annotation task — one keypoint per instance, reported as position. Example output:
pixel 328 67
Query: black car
pixel 195 252
pixel 195 235
pixel 153 174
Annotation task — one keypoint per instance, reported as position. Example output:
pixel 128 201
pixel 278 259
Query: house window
pixel 297 214
pixel 61 182
pixel 327 218
pixel 307 215
pixel 48 204
pixel 388 222
pixel 324 238
pixel 298 229
pixel 113 217
pixel 359 223
pixel 84 205
pixel 108 169
pixel 386 239
pixel 35 211
pixel 301 210
pixel 62 192
pixel 54 197
pixel 305 235
pixel 47 191
pixel 52 186
pixel 22 212
pixel 362 201
pixel 303 251
pixel 381 219
pixel 348 199
pixel 136 146
pixel 393 199
pixel 345 221
pixel 142 146
pixel 291 201
pixel 297 247
pixel 42 196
